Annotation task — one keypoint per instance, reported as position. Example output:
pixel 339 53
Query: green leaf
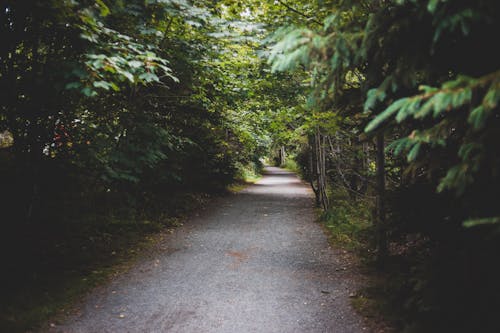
pixel 72 85
pixel 102 84
pixel 398 146
pixel 135 63
pixel 413 154
pixel 149 77
pixel 456 178
pixel 480 221
pixel 128 75
pixel 408 109
pixel 387 113
pixel 432 5
pixel 477 118
pixel 87 91
pixel 114 86
pixel 372 97
pixel 103 8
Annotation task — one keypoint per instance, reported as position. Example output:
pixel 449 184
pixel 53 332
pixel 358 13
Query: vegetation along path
pixel 254 262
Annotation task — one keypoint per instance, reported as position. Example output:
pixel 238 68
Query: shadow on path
pixel 252 262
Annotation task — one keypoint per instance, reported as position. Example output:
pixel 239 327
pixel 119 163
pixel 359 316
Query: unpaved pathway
pixel 253 262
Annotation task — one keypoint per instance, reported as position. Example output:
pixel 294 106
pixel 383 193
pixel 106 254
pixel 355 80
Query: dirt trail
pixel 251 262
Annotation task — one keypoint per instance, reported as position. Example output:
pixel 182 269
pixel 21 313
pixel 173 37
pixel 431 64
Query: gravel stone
pixel 251 262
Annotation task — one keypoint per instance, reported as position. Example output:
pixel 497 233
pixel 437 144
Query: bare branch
pixel 310 18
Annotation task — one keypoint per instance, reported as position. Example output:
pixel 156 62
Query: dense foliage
pixel 114 113
pixel 422 79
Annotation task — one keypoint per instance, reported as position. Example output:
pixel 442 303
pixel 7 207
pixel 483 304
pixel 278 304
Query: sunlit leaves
pixel 103 8
pixel 118 58
pixel 291 48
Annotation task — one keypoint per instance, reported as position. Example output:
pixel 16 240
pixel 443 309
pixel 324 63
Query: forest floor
pixel 255 261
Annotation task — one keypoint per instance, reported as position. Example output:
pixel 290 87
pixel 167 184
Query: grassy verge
pixel 51 268
pixel 418 287
pixel 348 222
pixel 349 227
pixel 291 165
pixel 247 174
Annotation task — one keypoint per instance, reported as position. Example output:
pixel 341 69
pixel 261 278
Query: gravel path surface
pixel 252 262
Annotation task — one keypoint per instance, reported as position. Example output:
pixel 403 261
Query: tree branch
pixel 310 18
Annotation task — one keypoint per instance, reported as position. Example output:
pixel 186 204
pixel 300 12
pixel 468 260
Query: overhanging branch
pixel 310 18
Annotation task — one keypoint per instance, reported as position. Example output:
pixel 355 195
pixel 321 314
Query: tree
pixel 423 77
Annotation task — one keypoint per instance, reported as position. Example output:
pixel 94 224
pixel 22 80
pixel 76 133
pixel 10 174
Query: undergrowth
pixel 51 264
pixel 349 227
pixel 422 285
pixel 291 165
pixel 55 264
pixel 246 174
pixel 348 221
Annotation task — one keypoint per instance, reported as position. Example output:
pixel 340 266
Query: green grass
pixel 348 222
pixel 348 225
pixel 247 174
pixel 291 165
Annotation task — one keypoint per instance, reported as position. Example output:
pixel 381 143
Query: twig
pixel 310 18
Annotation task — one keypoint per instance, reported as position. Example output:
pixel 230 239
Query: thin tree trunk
pixel 282 156
pixel 355 170
pixel 380 201
pixel 365 168
pixel 312 168
pixel 320 142
pixel 326 201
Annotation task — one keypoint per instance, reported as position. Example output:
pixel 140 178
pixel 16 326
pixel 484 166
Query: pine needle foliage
pixel 423 75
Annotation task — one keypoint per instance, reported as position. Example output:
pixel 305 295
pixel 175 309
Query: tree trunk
pixel 380 201
pixel 282 156
pixel 312 168
pixel 365 168
pixel 355 170
pixel 320 142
